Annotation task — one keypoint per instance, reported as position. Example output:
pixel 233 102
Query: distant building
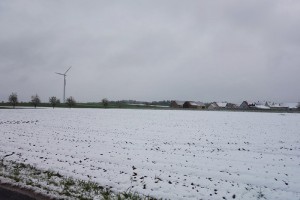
pixel 292 106
pixel 231 106
pixel 222 104
pixel 246 105
pixel 261 107
pixel 217 106
pixel 213 106
pixel 201 105
pixel 276 106
pixel 254 106
pixel 282 106
pixel 177 104
pixel 194 105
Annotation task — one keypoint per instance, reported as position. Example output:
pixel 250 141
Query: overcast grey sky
pixel 151 50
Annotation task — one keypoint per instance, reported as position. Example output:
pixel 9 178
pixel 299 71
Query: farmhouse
pixel 217 106
pixel 292 106
pixel 177 104
pixel 282 106
pixel 277 106
pixel 231 106
pixel 246 105
pixel 261 106
pixel 254 106
pixel 194 105
pixel 213 106
pixel 223 105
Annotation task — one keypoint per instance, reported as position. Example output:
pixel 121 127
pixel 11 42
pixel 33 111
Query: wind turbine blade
pixel 59 73
pixel 68 70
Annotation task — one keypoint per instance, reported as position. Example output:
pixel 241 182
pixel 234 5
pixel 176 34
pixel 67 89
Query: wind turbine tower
pixel 65 74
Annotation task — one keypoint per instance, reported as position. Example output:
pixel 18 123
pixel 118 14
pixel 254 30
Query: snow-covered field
pixel 163 153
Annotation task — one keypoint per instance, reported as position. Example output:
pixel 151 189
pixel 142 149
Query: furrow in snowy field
pixel 168 154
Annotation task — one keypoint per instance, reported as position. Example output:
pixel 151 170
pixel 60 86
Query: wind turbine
pixel 65 74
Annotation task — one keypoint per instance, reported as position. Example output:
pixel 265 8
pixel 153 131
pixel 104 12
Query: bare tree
pixel 70 102
pixel 54 101
pixel 13 99
pixel 35 100
pixel 105 102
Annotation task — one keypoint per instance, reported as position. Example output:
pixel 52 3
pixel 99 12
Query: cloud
pixel 151 50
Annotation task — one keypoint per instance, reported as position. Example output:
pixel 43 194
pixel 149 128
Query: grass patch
pixel 55 184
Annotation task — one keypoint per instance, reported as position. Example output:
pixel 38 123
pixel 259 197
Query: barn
pixel 213 106
pixel 177 104
pixel 222 104
pixel 194 105
pixel 246 105
pixel 231 106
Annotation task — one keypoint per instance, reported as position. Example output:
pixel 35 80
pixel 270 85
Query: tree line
pixel 35 101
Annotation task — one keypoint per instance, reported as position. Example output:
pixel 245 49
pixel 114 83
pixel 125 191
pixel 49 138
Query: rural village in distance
pixel 70 102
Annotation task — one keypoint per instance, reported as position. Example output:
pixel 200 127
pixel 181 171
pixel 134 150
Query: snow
pixel 172 154
pixel 291 105
pixel 193 103
pixel 278 105
pixel 262 107
pixel 222 105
